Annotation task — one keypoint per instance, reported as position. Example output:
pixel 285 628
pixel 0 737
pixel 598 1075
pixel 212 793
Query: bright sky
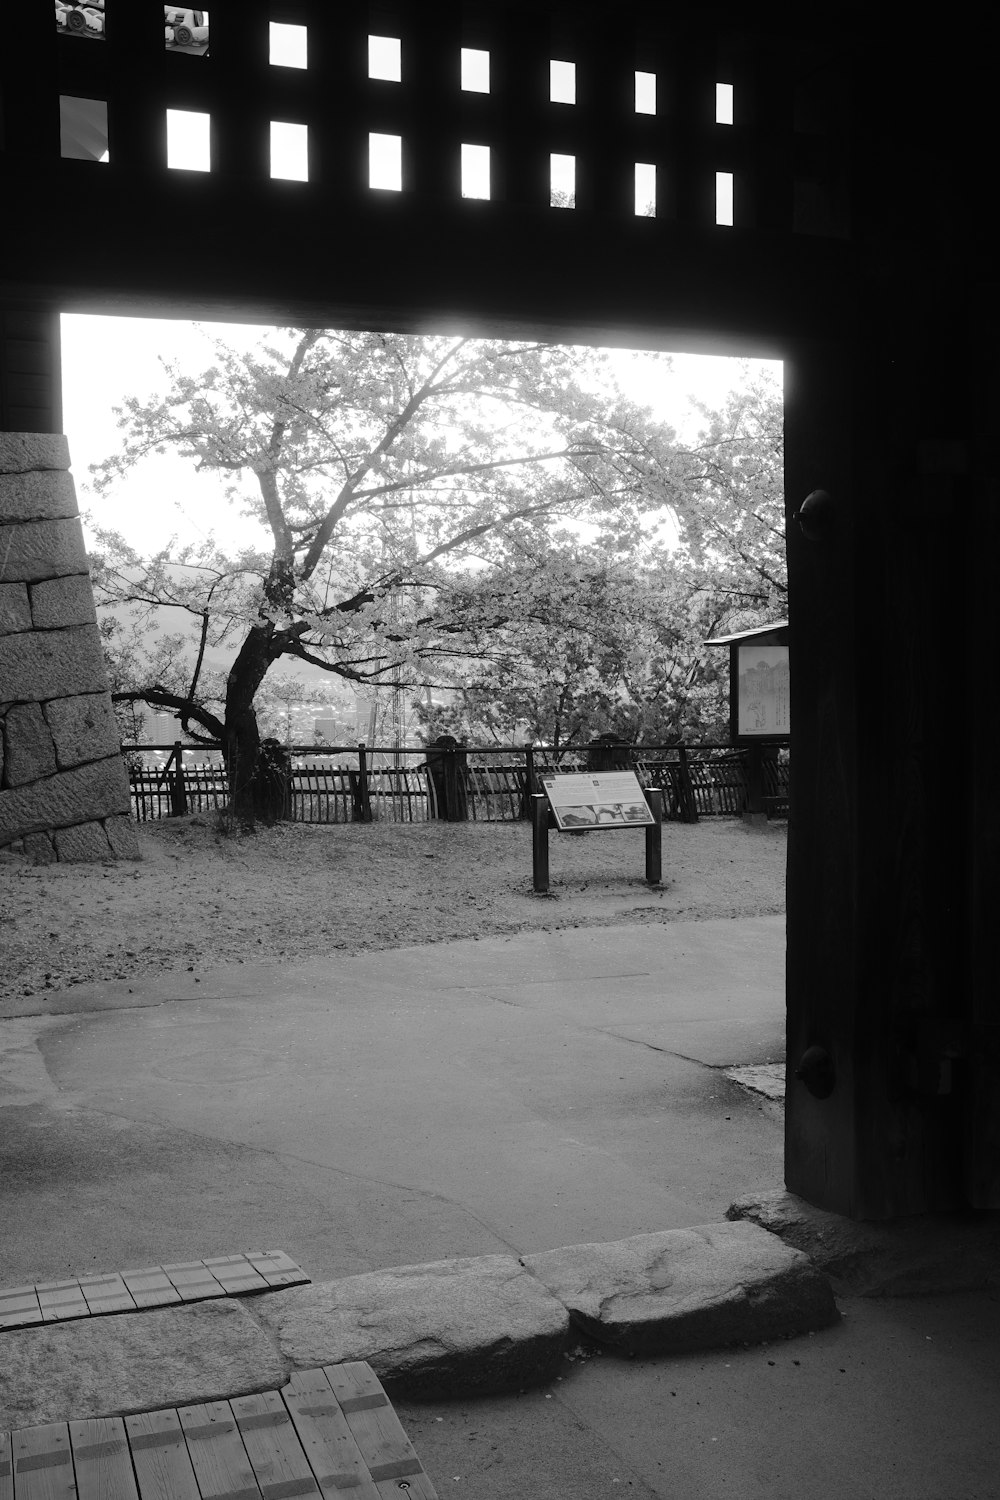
pixel 106 359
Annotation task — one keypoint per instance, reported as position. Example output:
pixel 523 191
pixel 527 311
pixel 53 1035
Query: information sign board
pixel 762 687
pixel 599 799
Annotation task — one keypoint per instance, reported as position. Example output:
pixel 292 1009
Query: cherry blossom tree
pixel 383 470
pixel 578 641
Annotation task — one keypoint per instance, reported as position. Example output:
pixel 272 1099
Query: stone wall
pixel 64 791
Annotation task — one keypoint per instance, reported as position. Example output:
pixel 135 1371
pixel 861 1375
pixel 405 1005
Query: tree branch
pixel 329 522
pixel 158 697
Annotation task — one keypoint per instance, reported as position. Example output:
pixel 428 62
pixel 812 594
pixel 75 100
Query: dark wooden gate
pixel 860 252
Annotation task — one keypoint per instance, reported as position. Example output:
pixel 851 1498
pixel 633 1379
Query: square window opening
pixel 475 171
pixel 385 58
pixel 385 162
pixel 724 198
pixel 185 30
pixel 562 181
pixel 645 190
pixel 83 128
pixel 289 151
pixel 475 70
pixel 562 82
pixel 723 104
pixel 189 140
pixel 289 45
pixel 81 19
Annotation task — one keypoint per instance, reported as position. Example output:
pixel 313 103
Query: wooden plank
pixel 106 1294
pixel 218 1456
pixel 236 1274
pixel 326 1439
pixel 101 1459
pixel 272 1260
pixel 413 1487
pixel 43 1466
pixel 6 1468
pixel 18 1307
pixel 61 1299
pixel 159 1454
pixel 279 1463
pixel 277 1268
pixel 193 1280
pixel 150 1286
pixel 377 1430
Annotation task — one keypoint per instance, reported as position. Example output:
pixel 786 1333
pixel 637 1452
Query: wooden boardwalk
pixel 150 1286
pixel 327 1432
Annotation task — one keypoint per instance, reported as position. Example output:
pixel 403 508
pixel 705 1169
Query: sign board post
pixel 654 837
pixel 540 842
pixel 610 800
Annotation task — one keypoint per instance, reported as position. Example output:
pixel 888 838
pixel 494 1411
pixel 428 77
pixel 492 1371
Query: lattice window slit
pixel 562 181
pixel 724 196
pixel 289 45
pixel 83 128
pixel 475 70
pixel 189 140
pixel 385 162
pixel 289 151
pixel 475 171
pixel 645 93
pixel 385 58
pixel 562 82
pixel 645 189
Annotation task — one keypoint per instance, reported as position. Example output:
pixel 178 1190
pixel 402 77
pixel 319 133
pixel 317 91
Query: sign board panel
pixel 599 799
pixel 762 691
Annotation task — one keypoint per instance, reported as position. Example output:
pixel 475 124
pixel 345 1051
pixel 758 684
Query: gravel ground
pixel 203 896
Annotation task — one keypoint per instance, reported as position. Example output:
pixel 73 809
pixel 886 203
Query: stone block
pixel 42 549
pixel 15 611
pixel 29 751
pixel 128 1362
pixel 39 848
pixel 86 843
pixel 685 1289
pixel 123 837
pixel 46 496
pixel 926 1255
pixel 21 451
pixel 47 664
pixel 87 792
pixel 458 1327
pixel 83 728
pixel 63 601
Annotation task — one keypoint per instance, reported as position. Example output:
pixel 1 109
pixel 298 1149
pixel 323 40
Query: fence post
pixel 361 806
pixel 456 791
pixel 178 789
pixel 689 807
pixel 528 790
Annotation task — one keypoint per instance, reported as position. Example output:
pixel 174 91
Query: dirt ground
pixel 203 896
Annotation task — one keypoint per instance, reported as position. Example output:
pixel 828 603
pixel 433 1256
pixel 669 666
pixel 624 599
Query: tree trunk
pixel 251 790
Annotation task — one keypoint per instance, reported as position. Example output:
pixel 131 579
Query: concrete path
pixel 899 1401
pixel 513 1094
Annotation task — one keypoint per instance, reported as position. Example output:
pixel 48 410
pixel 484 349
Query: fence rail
pixel 345 784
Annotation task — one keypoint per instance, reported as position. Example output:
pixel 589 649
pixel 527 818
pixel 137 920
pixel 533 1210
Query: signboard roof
pixel 758 633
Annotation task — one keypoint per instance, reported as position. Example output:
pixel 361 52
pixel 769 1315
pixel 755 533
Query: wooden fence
pixel 345 784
